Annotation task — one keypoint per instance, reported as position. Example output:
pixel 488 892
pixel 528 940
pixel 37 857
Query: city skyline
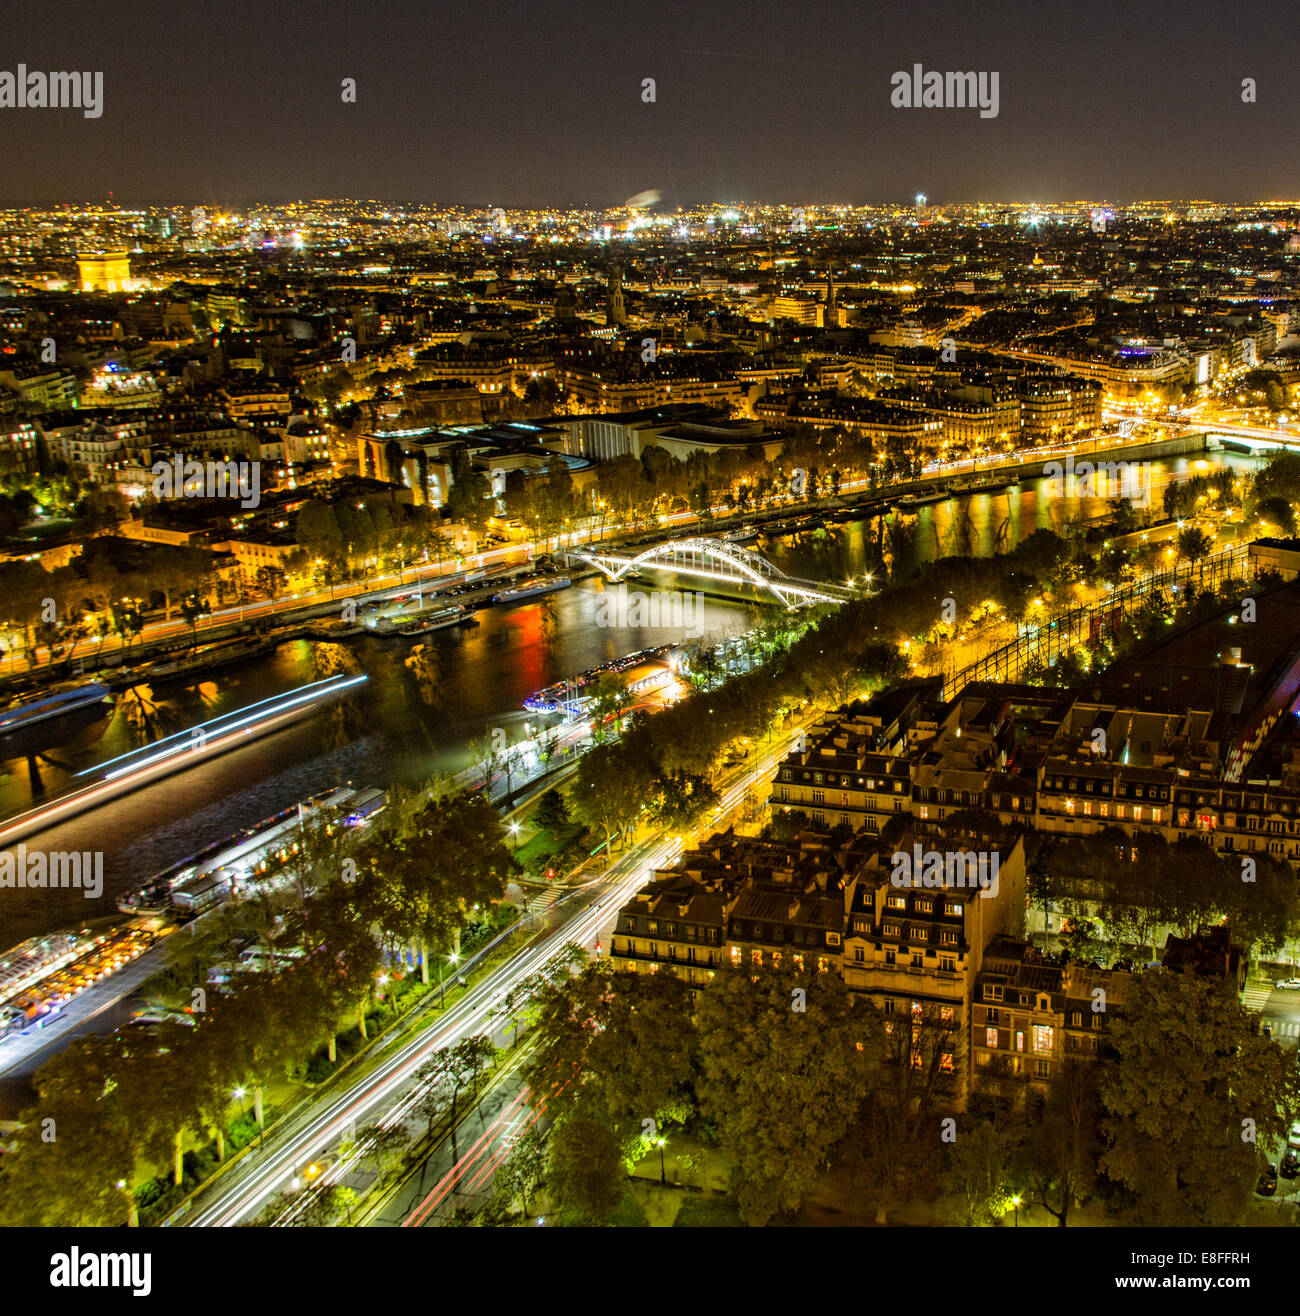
pixel 900 203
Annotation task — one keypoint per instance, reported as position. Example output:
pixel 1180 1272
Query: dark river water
pixel 405 724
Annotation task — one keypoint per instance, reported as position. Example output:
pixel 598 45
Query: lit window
pixel 1043 1038
pixel 991 1038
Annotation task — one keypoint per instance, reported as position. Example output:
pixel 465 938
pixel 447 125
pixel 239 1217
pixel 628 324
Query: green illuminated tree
pixel 781 1076
pixel 621 1043
pixel 1191 1092
pixel 584 1173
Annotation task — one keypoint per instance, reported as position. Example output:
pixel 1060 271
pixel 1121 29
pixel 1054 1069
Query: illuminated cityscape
pixel 675 711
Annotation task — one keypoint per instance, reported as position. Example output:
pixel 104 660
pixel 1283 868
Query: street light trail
pixel 442 1189
pixel 665 854
pixel 376 1094
pixel 516 1118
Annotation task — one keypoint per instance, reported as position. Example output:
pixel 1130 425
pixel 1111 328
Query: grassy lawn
pixel 699 1212
pixel 544 844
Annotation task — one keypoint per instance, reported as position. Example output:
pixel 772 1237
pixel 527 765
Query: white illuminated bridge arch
pixel 717 560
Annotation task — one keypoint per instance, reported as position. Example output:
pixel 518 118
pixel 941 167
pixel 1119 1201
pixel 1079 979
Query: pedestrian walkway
pixel 1256 995
pixel 543 900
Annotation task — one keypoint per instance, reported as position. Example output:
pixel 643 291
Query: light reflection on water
pixel 398 727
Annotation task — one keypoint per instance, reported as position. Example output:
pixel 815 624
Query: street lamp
pixel 453 960
pixel 1015 1201
pixel 514 832
pixel 663 1180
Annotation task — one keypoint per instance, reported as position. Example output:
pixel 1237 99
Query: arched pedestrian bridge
pixel 721 562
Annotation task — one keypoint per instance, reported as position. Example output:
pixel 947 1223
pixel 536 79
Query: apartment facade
pixel 1033 758
pixel 842 776
pixel 913 950
pixel 1029 1017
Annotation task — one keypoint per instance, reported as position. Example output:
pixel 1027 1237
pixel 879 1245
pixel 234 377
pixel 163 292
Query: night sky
pixel 497 102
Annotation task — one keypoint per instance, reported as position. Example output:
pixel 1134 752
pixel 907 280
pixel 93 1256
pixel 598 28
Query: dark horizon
pixel 471 205
pixel 541 107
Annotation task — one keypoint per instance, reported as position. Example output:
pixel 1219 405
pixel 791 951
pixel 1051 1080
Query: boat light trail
pixel 199 743
pixel 185 739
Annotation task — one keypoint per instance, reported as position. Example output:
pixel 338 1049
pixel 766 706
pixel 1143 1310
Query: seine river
pixel 405 724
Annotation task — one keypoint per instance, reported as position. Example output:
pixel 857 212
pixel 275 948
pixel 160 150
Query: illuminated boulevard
pixel 380 1094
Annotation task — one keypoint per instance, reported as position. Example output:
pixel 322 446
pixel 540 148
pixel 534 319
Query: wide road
pixel 383 1093
pixel 487 1134
pixel 1279 1009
